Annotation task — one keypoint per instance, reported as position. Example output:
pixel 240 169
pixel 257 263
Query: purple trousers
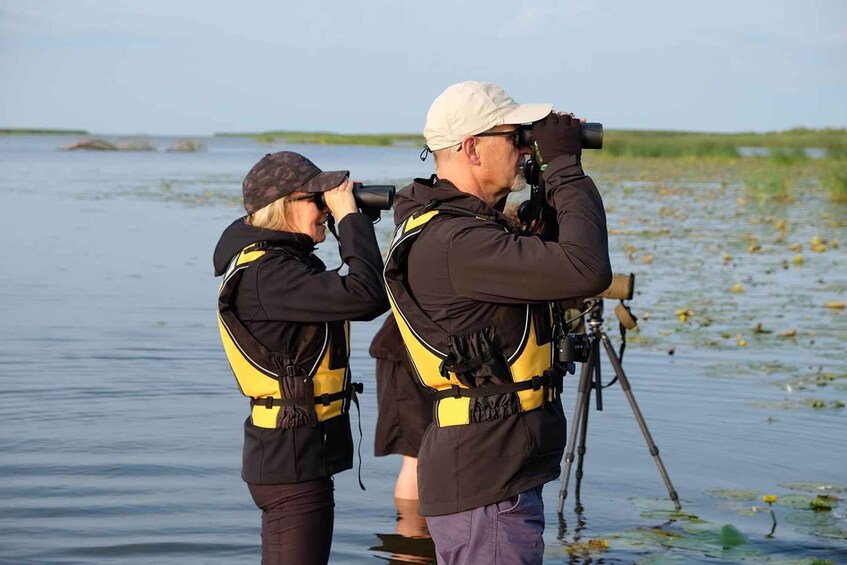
pixel 506 533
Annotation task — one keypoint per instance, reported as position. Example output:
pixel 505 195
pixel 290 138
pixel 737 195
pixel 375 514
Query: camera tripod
pixel 590 379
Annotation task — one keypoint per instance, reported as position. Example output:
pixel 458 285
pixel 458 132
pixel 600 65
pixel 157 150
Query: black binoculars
pixel 371 198
pixel 590 136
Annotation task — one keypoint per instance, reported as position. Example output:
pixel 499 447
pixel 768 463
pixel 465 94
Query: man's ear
pixel 470 150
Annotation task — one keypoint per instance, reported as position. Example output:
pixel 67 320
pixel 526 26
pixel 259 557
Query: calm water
pixel 121 422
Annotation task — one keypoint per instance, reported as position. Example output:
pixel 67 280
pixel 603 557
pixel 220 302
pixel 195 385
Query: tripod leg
pixel 654 451
pixel 581 400
pixel 594 377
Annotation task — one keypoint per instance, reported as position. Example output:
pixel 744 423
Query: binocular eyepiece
pixel 590 135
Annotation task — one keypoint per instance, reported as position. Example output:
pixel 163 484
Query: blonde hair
pixel 273 216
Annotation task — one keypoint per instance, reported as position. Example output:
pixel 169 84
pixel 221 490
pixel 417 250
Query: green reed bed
pixel 41 131
pixel 327 138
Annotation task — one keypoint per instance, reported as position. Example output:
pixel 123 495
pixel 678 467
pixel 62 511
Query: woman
pixel 284 322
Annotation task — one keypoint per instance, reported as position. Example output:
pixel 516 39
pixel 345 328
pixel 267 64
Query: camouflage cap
pixel 279 174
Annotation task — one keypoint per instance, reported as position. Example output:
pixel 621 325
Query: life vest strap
pixel 324 399
pixel 535 383
pixel 464 366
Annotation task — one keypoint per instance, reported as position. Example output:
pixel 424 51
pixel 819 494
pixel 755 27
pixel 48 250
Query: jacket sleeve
pixel 294 291
pixel 488 264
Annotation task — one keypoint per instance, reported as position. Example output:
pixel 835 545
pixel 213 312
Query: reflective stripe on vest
pixel 427 343
pixel 256 372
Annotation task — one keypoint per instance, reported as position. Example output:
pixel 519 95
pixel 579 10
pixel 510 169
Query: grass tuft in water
pixel 834 181
pixel 787 155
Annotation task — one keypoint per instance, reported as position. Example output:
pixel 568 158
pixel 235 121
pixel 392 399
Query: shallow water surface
pixel 122 422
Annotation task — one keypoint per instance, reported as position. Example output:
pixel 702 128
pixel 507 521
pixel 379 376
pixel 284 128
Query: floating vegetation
pixel 731 537
pixel 808 486
pixel 808 403
pixel 812 381
pixel 733 494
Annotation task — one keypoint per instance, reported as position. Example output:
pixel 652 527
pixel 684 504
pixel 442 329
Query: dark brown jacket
pixel 464 273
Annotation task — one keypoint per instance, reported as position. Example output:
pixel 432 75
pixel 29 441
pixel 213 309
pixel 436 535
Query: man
pixel 472 300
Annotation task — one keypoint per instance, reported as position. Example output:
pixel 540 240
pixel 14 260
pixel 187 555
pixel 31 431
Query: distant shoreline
pixel 328 138
pixel 42 131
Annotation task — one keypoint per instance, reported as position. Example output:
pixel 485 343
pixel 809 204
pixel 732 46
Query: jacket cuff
pixel 563 164
pixel 356 234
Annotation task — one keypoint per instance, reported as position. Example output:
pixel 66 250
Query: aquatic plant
pixel 770 499
pixel 770 184
pixel 837 151
pixel 787 155
pixel 834 181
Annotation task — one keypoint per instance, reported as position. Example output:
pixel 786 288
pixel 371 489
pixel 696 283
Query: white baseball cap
pixel 469 108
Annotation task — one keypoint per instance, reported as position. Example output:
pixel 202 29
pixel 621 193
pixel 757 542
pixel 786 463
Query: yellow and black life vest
pixel 524 378
pixel 284 393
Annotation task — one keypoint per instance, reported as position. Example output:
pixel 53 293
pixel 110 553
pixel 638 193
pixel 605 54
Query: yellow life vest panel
pixel 321 391
pixel 527 351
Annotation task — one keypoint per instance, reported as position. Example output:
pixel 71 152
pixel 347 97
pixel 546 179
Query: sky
pixel 186 67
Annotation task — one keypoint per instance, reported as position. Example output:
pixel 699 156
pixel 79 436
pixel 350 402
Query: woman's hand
pixel 340 200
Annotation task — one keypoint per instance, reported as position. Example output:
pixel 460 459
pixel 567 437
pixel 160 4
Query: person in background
pixel 285 326
pixel 471 297
pixel 405 411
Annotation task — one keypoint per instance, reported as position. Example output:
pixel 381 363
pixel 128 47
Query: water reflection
pixel 411 543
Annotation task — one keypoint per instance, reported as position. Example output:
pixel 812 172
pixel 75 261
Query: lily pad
pixel 650 503
pixel 733 494
pixel 832 532
pixel 731 537
pixel 668 515
pixel 810 519
pixel 810 486
pixel 795 501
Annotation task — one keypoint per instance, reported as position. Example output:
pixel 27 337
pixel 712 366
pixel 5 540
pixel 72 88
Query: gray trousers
pixel 508 533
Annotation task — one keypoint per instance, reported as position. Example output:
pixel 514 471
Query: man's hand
pixel 555 135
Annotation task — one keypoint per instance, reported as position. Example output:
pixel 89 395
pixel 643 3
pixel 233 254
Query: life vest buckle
pixel 538 381
pixel 291 370
pixel 268 402
pixel 457 391
pixel 325 400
